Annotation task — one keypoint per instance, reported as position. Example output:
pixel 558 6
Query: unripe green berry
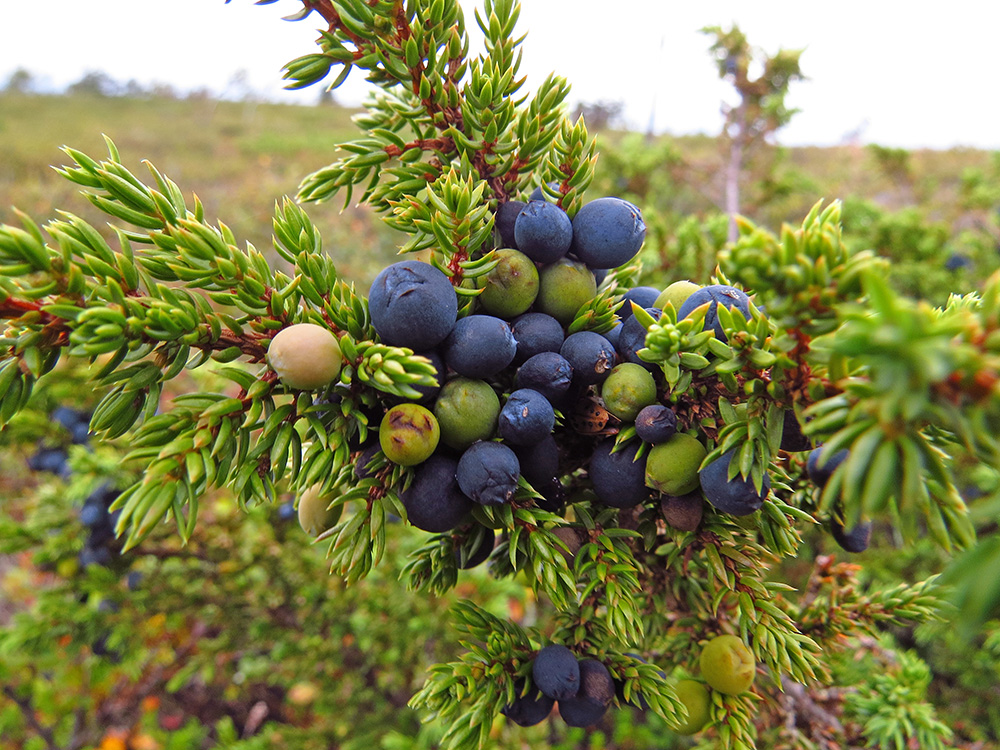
pixel 511 287
pixel 672 467
pixel 694 695
pixel 315 516
pixel 409 434
pixel 305 356
pixel 467 411
pixel 564 287
pixel 727 665
pixel 627 389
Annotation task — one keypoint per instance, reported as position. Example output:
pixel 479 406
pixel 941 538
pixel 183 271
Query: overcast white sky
pixel 905 74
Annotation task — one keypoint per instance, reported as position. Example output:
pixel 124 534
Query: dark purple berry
pixel 504 221
pixel 487 473
pixel 715 295
pixel 434 502
pixel 607 232
pixel 530 709
pixel 527 418
pixel 543 232
pixel 412 304
pixel 479 346
pixel 618 479
pixel 596 692
pixel 548 373
pixel 643 296
pixel 821 471
pixel 735 496
pixel 655 423
pixel 535 333
pixel 556 672
pixel 591 356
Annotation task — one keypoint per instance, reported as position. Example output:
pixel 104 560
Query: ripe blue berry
pixel 643 296
pixel 655 423
pixel 487 473
pixel 527 418
pixel 434 502
pixel 412 304
pixel 715 295
pixel 591 356
pixel 735 496
pixel 504 222
pixel 820 472
pixel 548 373
pixel 633 338
pixel 556 672
pixel 596 692
pixel 607 233
pixel 543 231
pixel 479 346
pixel 855 539
pixel 530 709
pixel 534 333
pixel 619 479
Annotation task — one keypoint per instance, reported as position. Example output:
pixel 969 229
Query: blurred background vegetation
pixel 242 639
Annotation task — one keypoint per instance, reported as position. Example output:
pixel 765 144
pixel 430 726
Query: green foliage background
pixel 246 614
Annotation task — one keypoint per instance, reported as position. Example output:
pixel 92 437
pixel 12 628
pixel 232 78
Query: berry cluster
pixel 583 688
pixel 506 370
pixel 527 409
pixel 520 399
pixel 53 458
pixel 101 546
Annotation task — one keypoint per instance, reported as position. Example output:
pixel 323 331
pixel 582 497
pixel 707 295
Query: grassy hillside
pixel 239 156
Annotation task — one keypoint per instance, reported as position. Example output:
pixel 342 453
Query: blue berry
pixel 540 195
pixel 735 496
pixel 412 304
pixel 716 294
pixel 548 373
pixel 596 692
pixel 655 423
pixel 820 473
pixel 607 232
pixel 530 709
pixel 504 221
pixel 614 334
pixel 543 231
pixel 619 480
pixel 792 439
pixel 556 672
pixel 539 462
pixel 527 418
pixel 591 356
pixel 93 515
pixel 487 473
pixel 52 460
pixel 633 338
pixel 534 333
pixel 643 296
pixel 479 346
pixel 286 511
pixel 855 539
pixel 433 500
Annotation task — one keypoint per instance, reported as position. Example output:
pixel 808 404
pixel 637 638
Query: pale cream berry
pixel 305 356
